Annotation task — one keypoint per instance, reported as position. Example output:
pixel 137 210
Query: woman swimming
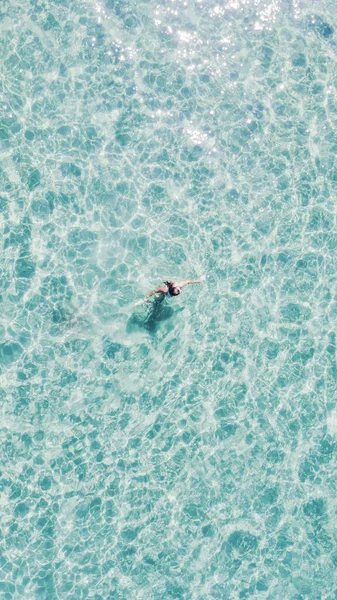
pixel 173 288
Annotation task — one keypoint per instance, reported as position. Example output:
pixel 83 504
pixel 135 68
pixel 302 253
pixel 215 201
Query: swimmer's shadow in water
pixel 151 315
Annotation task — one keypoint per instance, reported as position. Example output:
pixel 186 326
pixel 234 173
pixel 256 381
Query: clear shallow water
pixel 186 450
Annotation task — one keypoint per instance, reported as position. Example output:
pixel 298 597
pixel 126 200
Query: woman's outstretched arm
pixel 161 290
pixel 181 284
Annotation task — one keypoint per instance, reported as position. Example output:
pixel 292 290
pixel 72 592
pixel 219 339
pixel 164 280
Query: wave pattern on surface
pixel 185 449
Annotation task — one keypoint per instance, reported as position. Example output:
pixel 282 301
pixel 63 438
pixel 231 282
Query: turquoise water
pixel 184 449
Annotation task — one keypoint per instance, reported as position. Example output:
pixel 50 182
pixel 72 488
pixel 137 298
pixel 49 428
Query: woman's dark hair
pixel 174 291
